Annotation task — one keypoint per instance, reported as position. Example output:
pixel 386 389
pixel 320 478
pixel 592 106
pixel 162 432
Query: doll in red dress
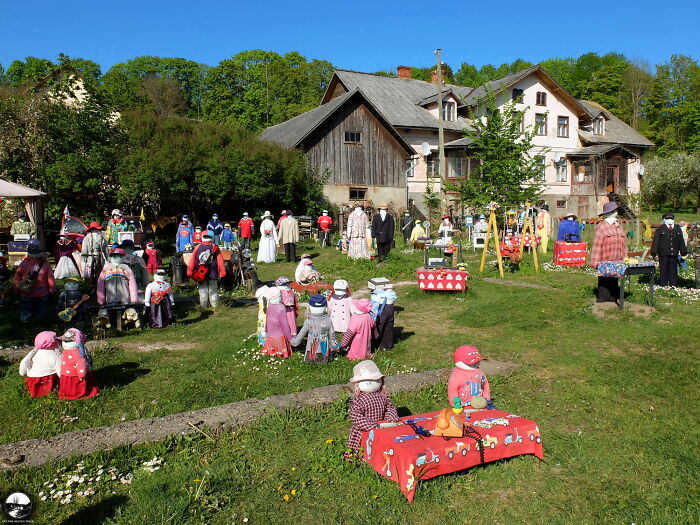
pixel 77 378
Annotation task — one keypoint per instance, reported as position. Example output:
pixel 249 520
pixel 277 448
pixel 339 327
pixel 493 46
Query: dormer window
pixel 599 126
pixel 448 111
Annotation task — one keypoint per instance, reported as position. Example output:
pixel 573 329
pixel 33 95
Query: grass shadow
pixel 98 512
pixel 203 314
pixel 401 335
pixel 120 374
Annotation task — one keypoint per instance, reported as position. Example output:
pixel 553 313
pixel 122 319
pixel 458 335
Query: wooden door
pixel 582 207
pixel 612 179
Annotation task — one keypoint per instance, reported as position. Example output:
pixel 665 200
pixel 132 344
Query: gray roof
pixel 598 149
pixel 398 99
pixel 497 85
pixel 292 132
pixel 616 131
pixel 434 97
pixel 460 143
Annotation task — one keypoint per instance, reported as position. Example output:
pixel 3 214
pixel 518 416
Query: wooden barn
pixel 350 140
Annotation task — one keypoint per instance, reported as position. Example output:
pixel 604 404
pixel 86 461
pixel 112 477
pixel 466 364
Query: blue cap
pixel 185 217
pixel 317 301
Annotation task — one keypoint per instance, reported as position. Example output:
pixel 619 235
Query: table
pixel 442 279
pixel 649 270
pixel 570 253
pixel 399 454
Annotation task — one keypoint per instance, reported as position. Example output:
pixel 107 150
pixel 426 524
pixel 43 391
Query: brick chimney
pixel 434 77
pixel 404 71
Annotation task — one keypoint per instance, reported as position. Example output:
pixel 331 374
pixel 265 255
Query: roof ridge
pixel 396 77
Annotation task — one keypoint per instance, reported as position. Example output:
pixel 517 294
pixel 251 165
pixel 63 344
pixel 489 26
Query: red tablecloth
pixel 397 453
pixel 442 279
pixel 570 253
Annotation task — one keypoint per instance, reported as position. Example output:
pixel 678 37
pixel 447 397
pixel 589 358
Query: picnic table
pixel 396 452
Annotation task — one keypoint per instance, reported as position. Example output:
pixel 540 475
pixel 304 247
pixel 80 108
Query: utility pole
pixel 441 131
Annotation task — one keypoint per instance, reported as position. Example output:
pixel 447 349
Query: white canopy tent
pixel 33 202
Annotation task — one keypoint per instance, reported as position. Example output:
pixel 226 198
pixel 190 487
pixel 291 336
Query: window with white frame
pixel 562 168
pixel 455 166
pixel 433 167
pixel 448 111
pixel 410 168
pixel 543 167
pixel 562 126
pixel 541 123
pixel 599 126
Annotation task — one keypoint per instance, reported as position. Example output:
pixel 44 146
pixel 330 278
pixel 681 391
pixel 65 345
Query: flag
pixel 66 212
pixel 143 215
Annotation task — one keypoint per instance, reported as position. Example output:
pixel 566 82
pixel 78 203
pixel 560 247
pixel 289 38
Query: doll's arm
pixel 391 414
pixel 147 295
pixel 485 388
pixel 133 288
pixel 347 338
pixel 297 339
pixel 26 363
pixel 359 418
pixel 101 288
pixel 334 339
pixel 81 368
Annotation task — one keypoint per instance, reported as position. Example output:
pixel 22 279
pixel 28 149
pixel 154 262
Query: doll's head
pixel 283 283
pixel 150 245
pixel 72 338
pixel 227 225
pixel 340 287
pixel 669 219
pixel 128 246
pixel 361 306
pixel 467 357
pixel 207 238
pixel 345 236
pixel 185 219
pixel 324 213
pixel 116 214
pixel 198 229
pixel 159 276
pixel 367 377
pixel 273 295
pixel 71 284
pixel 46 340
pixel 215 216
pixel 116 256
pixel 34 249
pixel 317 304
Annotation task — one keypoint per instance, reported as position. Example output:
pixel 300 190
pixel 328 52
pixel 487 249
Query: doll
pixel 70 297
pixel 197 235
pixel 276 326
pixel 114 226
pixel 136 263
pixel 184 234
pixel 319 328
pixel 384 323
pixel 290 302
pixel 228 237
pixel 42 365
pixel 160 300
pixel 154 257
pixel 261 296
pixel 306 272
pixel 339 306
pixel 77 378
pixel 116 284
pixel 343 244
pixel 359 333
pixel 370 404
pixel 34 282
pixel 466 380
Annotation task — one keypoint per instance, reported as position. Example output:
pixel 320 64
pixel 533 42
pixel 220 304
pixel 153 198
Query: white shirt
pixel 41 362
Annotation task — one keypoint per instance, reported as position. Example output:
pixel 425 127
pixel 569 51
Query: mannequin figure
pixel 261 296
pixel 116 284
pixel 160 300
pixel 357 233
pixel 246 229
pixel 569 229
pixel 481 226
pixel 66 265
pixel 318 329
pixel 417 232
pixel 94 251
pixel 184 234
pixel 343 244
pixel 22 226
pixel 216 227
pixel 228 237
pixel 289 236
pixel 445 231
pixel 383 227
pixel 609 244
pixel 207 256
pixel 154 258
pixel 466 380
pixel 283 215
pixel 267 251
pixel 77 378
pixel 324 228
pixel 277 333
pixel 115 225
pixel 406 227
pixel 136 263
pixel 197 236
pixel 69 297
pixel 384 326
pixel 339 306
pixel 370 404
pixel 358 336
pixel 306 272
pixel 290 302
pixel 34 281
pixel 544 227
pixel 42 365
pixel 668 244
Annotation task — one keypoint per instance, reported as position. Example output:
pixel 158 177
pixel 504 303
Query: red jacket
pixel 218 260
pixel 45 283
pixel 245 227
pixel 325 222
pixel 197 237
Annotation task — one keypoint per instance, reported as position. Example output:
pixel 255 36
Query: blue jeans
pixel 32 307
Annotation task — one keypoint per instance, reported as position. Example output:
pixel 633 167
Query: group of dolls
pixel 59 362
pixel 333 324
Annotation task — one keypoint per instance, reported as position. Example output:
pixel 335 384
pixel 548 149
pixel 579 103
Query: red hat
pixel 117 251
pixel 94 226
pixel 468 355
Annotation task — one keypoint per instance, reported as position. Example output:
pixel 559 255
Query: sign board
pixel 469 220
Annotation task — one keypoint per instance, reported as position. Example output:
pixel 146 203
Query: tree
pixel 29 71
pixel 468 75
pixel 508 172
pixel 636 82
pixel 673 179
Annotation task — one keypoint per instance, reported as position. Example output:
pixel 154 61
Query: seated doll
pixel 71 297
pixel 342 244
pixel 277 332
pixel 339 306
pixel 290 302
pixel 370 404
pixel 319 329
pixel 42 365
pixel 306 272
pixel 77 379
pixel 466 380
pixel 160 301
pixel 358 336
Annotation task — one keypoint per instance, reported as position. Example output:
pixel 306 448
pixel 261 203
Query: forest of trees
pixel 183 120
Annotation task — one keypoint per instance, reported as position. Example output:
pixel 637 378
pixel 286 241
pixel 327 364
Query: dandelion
pixel 329 441
pixel 294 492
pixel 293 469
pixel 286 497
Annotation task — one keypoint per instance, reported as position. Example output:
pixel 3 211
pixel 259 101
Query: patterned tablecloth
pixel 442 279
pixel 570 253
pixel 398 453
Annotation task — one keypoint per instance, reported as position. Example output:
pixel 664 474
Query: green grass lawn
pixel 615 397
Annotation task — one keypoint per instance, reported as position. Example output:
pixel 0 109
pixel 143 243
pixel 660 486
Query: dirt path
pixel 506 282
pixel 37 452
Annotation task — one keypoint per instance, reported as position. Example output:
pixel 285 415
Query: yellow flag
pixel 143 215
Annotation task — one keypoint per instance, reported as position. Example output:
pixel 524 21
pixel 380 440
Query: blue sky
pixel 360 35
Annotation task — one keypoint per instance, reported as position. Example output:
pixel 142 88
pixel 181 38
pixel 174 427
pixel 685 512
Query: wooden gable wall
pixel 379 160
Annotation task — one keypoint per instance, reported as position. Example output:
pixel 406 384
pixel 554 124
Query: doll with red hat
pixel 466 380
pixel 42 366
pixel 94 250
pixel 359 333
pixel 77 379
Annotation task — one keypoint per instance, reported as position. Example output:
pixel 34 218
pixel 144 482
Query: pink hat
pixel 74 335
pixel 468 355
pixel 362 305
pixel 307 262
pixel 45 340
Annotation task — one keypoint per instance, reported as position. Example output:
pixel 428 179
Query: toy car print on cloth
pixel 400 454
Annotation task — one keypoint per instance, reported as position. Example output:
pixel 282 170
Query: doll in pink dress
pixel 77 378
pixel 358 336
pixel 290 302
pixel 466 380
pixel 339 306
pixel 277 329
